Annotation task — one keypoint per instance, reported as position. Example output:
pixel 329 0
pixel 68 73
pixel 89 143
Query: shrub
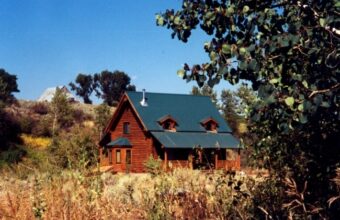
pixel 35 142
pixel 153 166
pixel 27 124
pixel 43 127
pixel 75 149
pixel 268 200
pixel 13 155
pixel 80 116
pixel 40 108
pixel 9 129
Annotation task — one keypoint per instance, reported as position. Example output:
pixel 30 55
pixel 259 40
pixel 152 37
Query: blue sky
pixel 48 42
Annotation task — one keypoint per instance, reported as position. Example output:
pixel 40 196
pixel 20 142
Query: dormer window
pixel 168 123
pixel 210 124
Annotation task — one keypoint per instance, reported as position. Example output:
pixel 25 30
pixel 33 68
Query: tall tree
pixel 235 106
pixel 83 86
pixel 9 127
pixel 205 91
pixel 288 50
pixel 8 85
pixel 229 106
pixel 246 99
pixel 61 111
pixel 103 114
pixel 110 85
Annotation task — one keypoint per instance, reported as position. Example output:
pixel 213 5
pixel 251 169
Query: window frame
pixel 128 156
pixel 126 128
pixel 120 156
pixel 110 156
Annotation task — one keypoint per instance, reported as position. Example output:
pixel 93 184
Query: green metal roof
pixel 188 110
pixel 121 141
pixel 195 139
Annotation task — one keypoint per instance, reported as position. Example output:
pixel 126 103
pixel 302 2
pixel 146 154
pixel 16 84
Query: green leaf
pixel 322 22
pixel 230 10
pixel 325 104
pixel 289 101
pixel 207 45
pixel 242 51
pixel 274 81
pixel 181 73
pixel 307 105
pixel 213 55
pixel 303 118
pixel 305 84
pixel 226 49
pixel 177 20
pixel 243 65
pixel 253 65
pixel 222 71
pixel 159 20
pixel 300 107
pixel 271 99
pixel 245 9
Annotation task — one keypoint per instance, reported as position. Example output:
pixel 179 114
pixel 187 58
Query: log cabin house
pixel 181 130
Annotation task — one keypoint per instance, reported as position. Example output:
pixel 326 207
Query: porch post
pixel 200 155
pixel 165 165
pixel 216 158
pixel 190 160
pixel 226 159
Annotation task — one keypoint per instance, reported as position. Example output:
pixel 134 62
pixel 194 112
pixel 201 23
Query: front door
pixel 123 158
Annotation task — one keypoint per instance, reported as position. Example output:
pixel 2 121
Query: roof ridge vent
pixel 143 102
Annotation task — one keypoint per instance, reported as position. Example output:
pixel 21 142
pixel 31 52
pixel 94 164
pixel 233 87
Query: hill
pixel 37 146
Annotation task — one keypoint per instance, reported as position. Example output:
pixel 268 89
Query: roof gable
pixel 188 110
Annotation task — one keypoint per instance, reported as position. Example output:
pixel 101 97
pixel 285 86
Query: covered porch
pixel 199 150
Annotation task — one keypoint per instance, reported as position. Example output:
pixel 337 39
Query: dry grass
pixel 183 194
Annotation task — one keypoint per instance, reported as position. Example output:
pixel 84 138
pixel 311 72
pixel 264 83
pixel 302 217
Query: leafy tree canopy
pixel 289 51
pixel 8 85
pixel 83 87
pixel 110 85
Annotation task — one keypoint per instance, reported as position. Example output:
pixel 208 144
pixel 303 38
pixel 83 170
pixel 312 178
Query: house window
pixel 210 125
pixel 110 156
pixel 128 156
pixel 167 125
pixel 126 128
pixel 118 156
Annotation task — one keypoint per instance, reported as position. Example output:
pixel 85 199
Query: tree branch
pixel 324 90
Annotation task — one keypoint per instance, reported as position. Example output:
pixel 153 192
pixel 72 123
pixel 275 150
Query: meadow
pixel 180 194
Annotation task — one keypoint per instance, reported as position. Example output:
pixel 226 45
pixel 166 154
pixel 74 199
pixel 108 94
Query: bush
pixel 13 155
pixel 268 200
pixel 80 116
pixel 43 128
pixel 35 142
pixel 9 129
pixel 40 108
pixel 153 166
pixel 27 124
pixel 75 149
